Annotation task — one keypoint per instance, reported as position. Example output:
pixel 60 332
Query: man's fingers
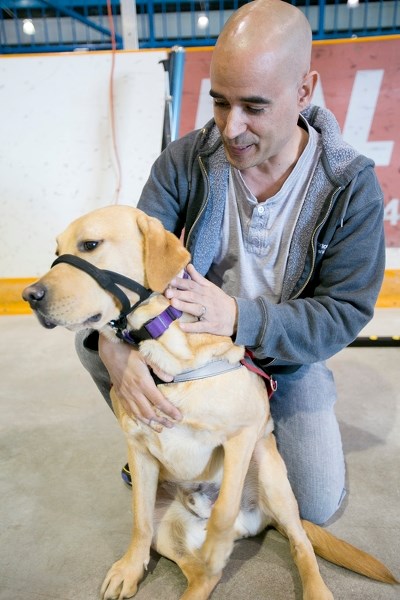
pixel 154 425
pixel 135 387
pixel 161 374
pixel 159 403
pixel 148 413
pixel 196 283
pixel 202 314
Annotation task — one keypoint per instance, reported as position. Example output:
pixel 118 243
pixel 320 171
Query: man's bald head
pixel 268 27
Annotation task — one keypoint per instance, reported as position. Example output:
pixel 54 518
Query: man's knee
pixel 322 507
pixel 86 345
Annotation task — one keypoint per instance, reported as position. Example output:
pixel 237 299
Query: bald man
pixel 284 222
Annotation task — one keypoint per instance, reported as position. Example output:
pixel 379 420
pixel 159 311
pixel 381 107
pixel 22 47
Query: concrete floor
pixel 65 513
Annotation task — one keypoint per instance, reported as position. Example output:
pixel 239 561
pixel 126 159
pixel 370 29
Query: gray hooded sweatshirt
pixel 336 259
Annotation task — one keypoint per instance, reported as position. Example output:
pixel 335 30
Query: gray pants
pixel 306 430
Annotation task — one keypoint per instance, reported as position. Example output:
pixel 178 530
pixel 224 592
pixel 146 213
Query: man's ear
pixel 164 255
pixel 307 88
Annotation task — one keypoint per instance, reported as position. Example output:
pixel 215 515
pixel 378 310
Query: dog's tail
pixel 345 555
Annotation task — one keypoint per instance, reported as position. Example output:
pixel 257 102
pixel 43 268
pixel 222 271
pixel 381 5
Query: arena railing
pixel 28 26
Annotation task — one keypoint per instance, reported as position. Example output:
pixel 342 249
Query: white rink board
pixel 56 152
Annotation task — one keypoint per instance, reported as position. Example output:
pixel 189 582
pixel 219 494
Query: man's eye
pixel 254 111
pixel 89 245
pixel 220 104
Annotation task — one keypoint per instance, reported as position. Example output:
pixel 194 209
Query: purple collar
pixel 152 329
pixel 157 326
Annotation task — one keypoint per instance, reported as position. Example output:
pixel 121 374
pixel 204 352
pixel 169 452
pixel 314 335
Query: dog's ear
pixel 164 255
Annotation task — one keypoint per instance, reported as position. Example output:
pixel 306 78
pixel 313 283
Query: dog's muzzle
pixel 109 281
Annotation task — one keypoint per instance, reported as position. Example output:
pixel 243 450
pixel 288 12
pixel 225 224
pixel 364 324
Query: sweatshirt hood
pixel 341 161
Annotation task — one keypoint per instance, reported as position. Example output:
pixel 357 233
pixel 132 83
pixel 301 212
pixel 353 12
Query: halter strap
pixel 109 280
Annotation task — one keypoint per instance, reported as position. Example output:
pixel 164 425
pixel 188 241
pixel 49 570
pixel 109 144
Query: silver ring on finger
pixel 201 316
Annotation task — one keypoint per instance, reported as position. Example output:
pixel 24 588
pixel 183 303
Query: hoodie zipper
pixel 333 198
pixel 203 170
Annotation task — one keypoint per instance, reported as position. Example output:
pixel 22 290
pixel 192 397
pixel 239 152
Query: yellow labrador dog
pixel 216 476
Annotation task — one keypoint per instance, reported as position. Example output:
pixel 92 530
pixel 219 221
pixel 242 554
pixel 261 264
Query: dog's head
pixel 122 239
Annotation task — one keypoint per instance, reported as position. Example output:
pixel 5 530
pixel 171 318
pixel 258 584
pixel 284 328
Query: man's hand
pixel 215 310
pixel 135 386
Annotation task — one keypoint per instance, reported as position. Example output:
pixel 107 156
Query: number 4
pixel 392 212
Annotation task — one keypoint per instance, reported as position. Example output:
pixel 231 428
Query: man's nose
pixel 235 124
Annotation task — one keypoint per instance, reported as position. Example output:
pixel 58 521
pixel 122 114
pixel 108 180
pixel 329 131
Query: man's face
pixel 256 106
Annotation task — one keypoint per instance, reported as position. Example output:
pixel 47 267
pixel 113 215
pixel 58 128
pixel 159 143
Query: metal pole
pixel 130 39
pixel 321 19
pixel 178 64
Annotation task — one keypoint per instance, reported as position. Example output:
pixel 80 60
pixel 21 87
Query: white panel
pixel 393 258
pixel 205 105
pixel 56 151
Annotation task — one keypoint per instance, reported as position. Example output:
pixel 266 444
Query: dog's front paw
pixel 121 580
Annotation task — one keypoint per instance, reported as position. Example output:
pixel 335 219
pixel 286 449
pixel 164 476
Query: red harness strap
pixel 270 382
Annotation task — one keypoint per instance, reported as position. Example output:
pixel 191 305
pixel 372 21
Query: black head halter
pixel 110 281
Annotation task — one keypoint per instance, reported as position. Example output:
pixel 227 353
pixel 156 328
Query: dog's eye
pixel 89 245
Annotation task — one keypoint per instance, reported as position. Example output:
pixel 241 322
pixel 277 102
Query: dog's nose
pixel 34 293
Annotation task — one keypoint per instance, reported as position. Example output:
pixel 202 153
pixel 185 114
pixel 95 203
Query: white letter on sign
pixel 356 130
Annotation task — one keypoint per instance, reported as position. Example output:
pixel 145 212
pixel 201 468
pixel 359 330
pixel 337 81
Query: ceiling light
pixel 352 3
pixel 28 27
pixel 202 22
